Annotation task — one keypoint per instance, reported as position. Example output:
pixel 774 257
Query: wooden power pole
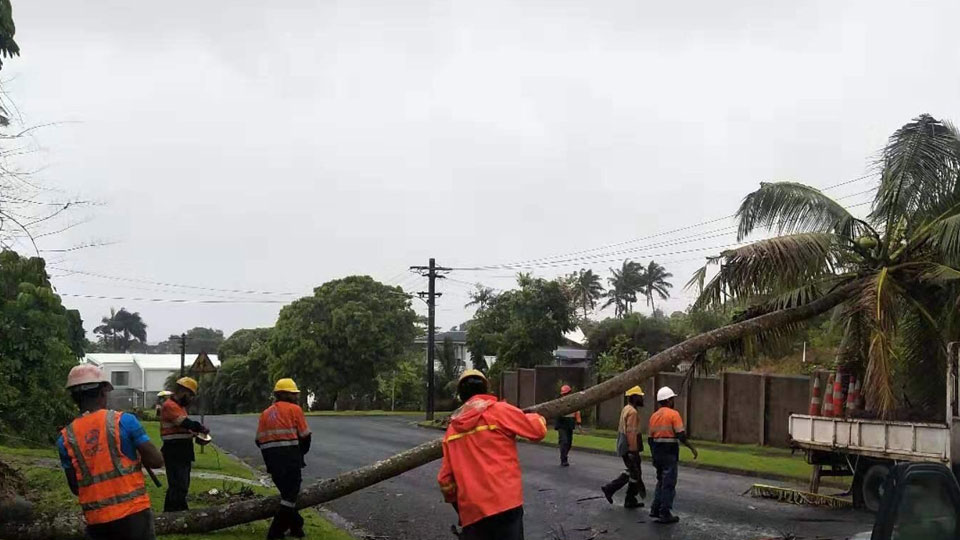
pixel 432 272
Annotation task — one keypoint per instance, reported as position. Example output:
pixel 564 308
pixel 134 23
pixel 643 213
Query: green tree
pixel 240 342
pixel 523 327
pixel 649 334
pixel 8 47
pixel 37 349
pixel 121 329
pixel 243 384
pixel 625 283
pixel 905 257
pixel 199 340
pixel 587 290
pixel 450 368
pixel 337 341
pixel 653 281
pixel 481 297
pixel 404 388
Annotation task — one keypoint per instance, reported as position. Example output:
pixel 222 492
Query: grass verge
pixel 48 490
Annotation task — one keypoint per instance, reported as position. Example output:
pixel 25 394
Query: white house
pixel 136 377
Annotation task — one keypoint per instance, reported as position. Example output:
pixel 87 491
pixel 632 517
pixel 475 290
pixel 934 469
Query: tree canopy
pixel 199 340
pixel 337 341
pixel 119 330
pixel 905 252
pixel 524 326
pixel 39 346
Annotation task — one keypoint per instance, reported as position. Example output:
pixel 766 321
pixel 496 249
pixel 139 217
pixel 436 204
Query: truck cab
pixel 921 501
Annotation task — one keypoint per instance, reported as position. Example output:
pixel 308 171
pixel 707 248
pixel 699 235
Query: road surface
pixel 710 504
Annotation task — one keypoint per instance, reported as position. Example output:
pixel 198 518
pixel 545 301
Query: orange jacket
pixel 111 485
pixel 171 416
pixel 481 471
pixel 281 424
pixel 665 424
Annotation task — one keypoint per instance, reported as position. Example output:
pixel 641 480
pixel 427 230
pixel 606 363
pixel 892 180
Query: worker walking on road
pixel 480 474
pixel 284 438
pixel 177 432
pixel 102 452
pixel 629 447
pixel 666 434
pixel 565 426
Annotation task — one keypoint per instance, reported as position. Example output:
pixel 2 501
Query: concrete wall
pixel 705 415
pixel 509 386
pixel 551 378
pixel 785 396
pixel 743 400
pixel 527 388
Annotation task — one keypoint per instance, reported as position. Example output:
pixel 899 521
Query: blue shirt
pixel 132 435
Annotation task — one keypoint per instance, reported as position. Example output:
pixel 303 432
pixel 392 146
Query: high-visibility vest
pixel 282 424
pixel 171 415
pixel 111 485
pixel 665 423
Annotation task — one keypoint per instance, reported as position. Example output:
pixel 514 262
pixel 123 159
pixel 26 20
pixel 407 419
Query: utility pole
pixel 431 296
pixel 183 353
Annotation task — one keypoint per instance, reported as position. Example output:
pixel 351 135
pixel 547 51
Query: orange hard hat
pixel 86 377
pixel 565 389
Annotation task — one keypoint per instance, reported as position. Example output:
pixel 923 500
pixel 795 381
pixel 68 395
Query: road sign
pixel 202 365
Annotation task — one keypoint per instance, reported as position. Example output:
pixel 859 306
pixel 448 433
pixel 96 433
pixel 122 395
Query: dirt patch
pixel 11 482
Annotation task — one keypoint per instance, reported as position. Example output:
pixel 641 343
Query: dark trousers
pixel 507 525
pixel 178 484
pixel 565 437
pixel 631 478
pixel 666 463
pixel 287 479
pixel 137 526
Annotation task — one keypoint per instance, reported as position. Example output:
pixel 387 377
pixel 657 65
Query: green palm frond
pixel 920 165
pixel 791 207
pixel 770 267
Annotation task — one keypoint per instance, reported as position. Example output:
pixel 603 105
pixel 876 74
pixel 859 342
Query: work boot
pixel 654 512
pixel 564 463
pixel 607 493
pixel 632 503
pixel 298 532
pixel 666 518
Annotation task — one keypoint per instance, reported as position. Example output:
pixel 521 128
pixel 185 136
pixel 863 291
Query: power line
pixel 175 285
pixel 171 300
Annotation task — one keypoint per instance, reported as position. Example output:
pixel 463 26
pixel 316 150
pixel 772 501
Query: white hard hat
pixel 665 393
pixel 86 377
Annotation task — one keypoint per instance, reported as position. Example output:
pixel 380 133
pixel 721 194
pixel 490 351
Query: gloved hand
pixel 204 429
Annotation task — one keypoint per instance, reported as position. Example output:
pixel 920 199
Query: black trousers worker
pixel 139 526
pixel 631 478
pixel 287 477
pixel 178 481
pixel 506 525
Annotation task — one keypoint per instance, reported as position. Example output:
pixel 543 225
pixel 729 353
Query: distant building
pixel 571 353
pixel 137 377
pixel 459 340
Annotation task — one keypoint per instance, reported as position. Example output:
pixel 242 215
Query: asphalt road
pixel 711 505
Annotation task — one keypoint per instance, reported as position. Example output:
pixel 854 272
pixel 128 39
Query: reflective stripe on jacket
pixel 282 424
pixel 665 424
pixel 171 416
pixel 111 485
pixel 481 470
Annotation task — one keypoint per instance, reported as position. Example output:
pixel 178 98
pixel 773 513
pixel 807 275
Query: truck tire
pixel 868 484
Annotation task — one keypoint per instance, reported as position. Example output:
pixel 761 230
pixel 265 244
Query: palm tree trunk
pixel 211 519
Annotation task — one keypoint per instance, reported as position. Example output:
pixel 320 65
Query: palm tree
pixel 625 283
pixel 121 328
pixel 655 278
pixel 481 297
pixel 587 289
pixel 903 259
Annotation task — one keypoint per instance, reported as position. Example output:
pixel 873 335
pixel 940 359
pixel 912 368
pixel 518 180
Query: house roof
pixel 160 362
pixel 456 336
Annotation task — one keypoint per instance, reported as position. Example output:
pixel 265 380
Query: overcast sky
pixel 273 146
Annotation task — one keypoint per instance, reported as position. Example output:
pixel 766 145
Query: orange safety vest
pixel 665 424
pixel 171 415
pixel 111 485
pixel 282 424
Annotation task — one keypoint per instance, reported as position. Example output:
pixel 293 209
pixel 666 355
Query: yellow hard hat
pixel 286 385
pixel 188 383
pixel 164 393
pixel 635 391
pixel 472 373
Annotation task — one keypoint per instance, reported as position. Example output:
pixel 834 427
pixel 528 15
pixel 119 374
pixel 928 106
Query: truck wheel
pixel 868 485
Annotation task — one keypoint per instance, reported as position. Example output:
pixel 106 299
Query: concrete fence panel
pixel 785 396
pixel 509 387
pixel 527 388
pixel 703 421
pixel 744 420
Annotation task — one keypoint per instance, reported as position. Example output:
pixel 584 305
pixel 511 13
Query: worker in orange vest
pixel 480 474
pixel 629 447
pixel 102 452
pixel 284 438
pixel 177 431
pixel 565 426
pixel 666 434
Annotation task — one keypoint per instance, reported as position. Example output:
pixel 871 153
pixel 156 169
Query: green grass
pixel 50 492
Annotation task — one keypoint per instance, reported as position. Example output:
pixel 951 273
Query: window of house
pixel 120 378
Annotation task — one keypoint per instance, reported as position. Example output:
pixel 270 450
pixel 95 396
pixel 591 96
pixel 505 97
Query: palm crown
pixel 904 255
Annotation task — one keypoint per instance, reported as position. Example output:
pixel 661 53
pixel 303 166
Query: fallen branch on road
pixel 220 517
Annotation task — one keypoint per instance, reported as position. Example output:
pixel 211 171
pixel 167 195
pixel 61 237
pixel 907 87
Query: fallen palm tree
pixel 220 517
